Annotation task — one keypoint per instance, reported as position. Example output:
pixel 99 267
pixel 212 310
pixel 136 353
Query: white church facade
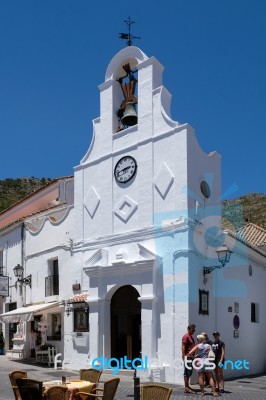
pixel 133 239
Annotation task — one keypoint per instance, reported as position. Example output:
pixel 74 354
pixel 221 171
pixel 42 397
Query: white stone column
pixel 148 341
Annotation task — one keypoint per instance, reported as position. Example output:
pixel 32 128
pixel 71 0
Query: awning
pixel 78 298
pixel 25 313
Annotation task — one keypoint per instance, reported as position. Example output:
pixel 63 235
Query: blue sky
pixel 54 54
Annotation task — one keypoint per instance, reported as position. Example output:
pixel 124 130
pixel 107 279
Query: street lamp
pixel 18 272
pixel 69 307
pixel 224 255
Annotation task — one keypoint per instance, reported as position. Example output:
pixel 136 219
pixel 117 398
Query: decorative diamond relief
pixel 125 208
pixel 164 180
pixel 92 201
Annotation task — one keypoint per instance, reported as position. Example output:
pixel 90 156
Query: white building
pixel 36 234
pixel 145 221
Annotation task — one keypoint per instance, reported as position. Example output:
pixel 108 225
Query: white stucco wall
pixel 171 166
pixel 155 233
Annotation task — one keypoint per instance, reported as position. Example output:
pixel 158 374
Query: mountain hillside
pixel 248 208
pixel 13 190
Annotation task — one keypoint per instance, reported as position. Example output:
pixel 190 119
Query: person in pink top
pixel 188 343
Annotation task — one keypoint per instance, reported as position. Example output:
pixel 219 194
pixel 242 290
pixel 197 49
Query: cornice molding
pixel 118 268
pixel 133 236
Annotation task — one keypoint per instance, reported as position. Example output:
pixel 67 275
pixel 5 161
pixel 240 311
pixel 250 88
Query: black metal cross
pixel 128 36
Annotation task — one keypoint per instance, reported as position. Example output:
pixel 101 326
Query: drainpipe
pixel 22 243
pixel 22 237
pixel 175 255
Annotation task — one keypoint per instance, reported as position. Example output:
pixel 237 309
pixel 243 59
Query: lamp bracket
pixel 208 270
pixel 25 281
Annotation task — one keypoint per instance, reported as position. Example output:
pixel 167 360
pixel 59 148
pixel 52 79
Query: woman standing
pixel 202 351
pixel 218 348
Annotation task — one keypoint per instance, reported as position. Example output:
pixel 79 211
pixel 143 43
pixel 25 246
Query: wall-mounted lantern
pixel 19 272
pixel 224 255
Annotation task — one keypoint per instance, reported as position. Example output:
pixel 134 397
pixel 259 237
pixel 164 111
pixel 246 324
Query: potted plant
pixel 2 343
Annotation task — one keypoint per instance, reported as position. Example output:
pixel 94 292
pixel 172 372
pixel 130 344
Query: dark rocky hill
pixel 248 208
pixel 13 190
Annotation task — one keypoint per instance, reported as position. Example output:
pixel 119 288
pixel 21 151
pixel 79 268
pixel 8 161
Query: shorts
pixel 188 371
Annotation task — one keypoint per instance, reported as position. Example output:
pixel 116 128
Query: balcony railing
pixel 51 285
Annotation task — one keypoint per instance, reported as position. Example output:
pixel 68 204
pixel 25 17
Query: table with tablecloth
pixel 74 386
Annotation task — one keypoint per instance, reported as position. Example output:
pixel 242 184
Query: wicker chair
pixel 155 392
pixel 91 375
pixel 29 389
pixel 56 393
pixel 107 392
pixel 13 379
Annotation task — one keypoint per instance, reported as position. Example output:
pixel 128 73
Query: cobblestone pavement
pixel 246 388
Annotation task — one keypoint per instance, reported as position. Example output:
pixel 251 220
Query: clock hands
pixel 125 169
pixel 122 171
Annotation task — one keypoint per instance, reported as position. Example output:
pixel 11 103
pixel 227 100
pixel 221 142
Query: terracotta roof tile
pixel 31 215
pixel 253 234
pixel 77 298
pixel 52 181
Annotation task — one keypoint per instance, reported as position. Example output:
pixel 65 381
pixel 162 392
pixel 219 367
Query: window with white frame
pixel 52 280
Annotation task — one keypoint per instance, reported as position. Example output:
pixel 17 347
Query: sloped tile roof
pixel 78 298
pixel 39 212
pixel 51 182
pixel 253 234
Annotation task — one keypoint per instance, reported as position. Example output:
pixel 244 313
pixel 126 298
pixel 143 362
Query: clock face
pixel 125 169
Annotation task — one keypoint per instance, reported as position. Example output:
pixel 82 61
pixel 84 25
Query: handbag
pixel 211 355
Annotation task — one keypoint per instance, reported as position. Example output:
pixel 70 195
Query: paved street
pixel 248 388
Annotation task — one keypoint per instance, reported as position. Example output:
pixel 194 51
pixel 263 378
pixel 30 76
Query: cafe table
pixel 73 386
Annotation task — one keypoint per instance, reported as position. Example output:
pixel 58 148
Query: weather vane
pixel 128 36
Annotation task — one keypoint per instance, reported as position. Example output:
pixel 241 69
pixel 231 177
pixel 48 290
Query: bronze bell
pixel 130 116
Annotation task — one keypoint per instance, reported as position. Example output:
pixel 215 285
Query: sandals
pixel 191 391
pixel 216 395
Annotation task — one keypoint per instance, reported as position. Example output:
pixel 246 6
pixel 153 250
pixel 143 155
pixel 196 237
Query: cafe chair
pixel 155 392
pixel 29 389
pixel 56 393
pixel 51 355
pixel 106 393
pixel 91 375
pixel 13 379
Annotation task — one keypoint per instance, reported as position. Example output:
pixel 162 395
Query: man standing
pixel 188 343
pixel 218 348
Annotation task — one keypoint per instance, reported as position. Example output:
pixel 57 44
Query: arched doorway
pixel 125 323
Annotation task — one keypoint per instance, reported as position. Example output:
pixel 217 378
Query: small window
pixel 52 281
pixel 203 302
pixel 254 312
